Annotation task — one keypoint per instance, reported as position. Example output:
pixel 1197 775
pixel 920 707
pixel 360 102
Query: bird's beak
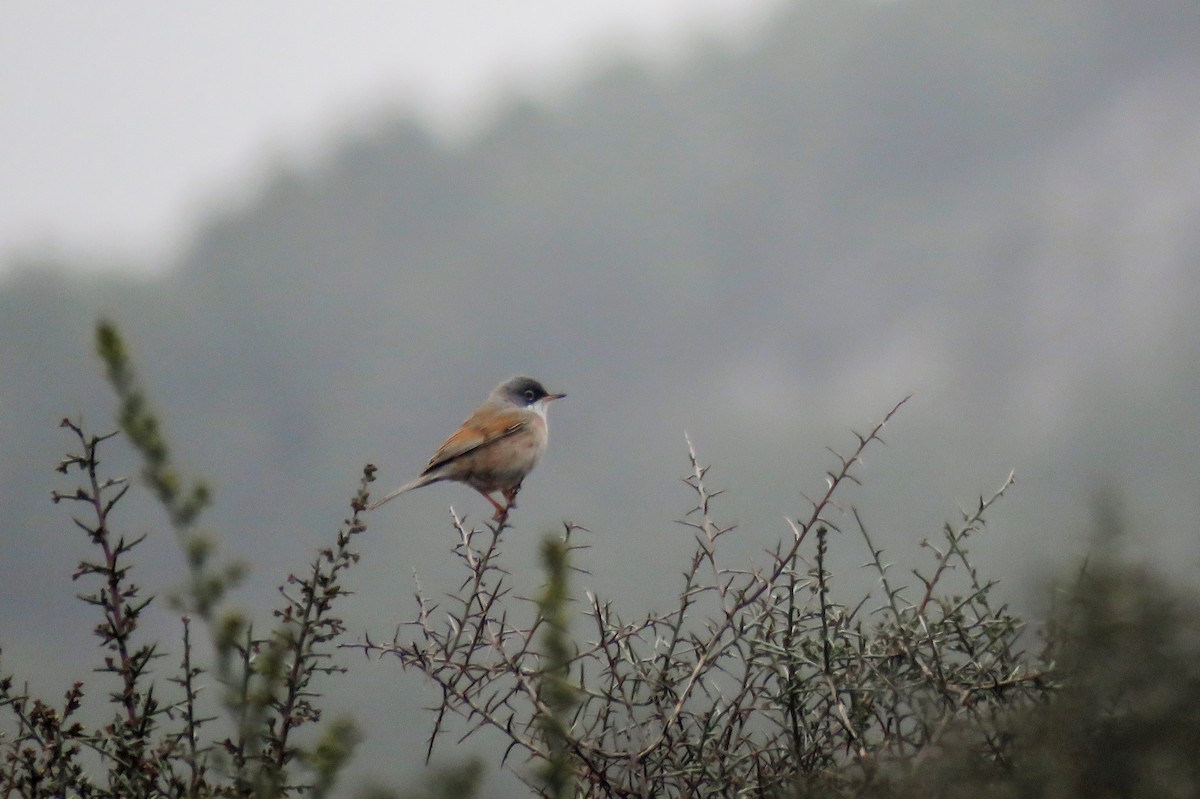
pixel 554 396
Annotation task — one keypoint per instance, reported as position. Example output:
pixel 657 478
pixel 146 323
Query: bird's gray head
pixel 524 392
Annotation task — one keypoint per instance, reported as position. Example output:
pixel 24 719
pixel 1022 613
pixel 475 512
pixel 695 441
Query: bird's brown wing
pixel 478 431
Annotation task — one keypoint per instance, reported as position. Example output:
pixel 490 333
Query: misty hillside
pixel 990 206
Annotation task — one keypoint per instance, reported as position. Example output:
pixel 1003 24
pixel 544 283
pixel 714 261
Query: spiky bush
pixel 162 739
pixel 761 680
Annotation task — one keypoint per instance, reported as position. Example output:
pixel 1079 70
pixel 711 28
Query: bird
pixel 496 448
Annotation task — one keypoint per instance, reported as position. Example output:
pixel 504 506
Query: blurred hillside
pixel 992 206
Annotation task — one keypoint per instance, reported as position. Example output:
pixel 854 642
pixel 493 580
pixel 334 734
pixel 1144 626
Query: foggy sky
pixel 125 121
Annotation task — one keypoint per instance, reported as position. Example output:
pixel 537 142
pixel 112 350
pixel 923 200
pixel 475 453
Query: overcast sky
pixel 123 119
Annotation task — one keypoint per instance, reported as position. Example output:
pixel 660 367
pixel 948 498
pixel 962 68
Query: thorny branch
pixel 756 678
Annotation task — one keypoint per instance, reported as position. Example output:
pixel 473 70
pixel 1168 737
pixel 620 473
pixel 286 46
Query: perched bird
pixel 496 447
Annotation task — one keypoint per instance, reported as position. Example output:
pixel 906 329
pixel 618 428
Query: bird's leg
pixel 501 510
pixel 510 496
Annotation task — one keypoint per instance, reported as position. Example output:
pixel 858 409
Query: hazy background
pixel 327 237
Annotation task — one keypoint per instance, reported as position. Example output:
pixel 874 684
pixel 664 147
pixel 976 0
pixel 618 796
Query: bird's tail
pixel 423 480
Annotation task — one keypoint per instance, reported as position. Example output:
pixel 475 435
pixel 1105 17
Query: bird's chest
pixel 506 462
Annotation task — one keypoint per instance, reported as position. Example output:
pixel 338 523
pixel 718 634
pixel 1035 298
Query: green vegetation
pixel 164 741
pixel 760 682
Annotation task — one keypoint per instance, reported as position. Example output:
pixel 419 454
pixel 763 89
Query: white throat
pixel 539 408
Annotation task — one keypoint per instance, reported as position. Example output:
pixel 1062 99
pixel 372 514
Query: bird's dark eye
pixel 529 395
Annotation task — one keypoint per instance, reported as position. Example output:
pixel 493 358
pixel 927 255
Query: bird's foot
pixel 501 510
pixel 510 502
pixel 510 495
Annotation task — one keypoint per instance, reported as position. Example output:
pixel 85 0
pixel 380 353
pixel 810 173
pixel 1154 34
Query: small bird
pixel 494 449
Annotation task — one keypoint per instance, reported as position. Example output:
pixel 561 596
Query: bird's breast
pixel 506 462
